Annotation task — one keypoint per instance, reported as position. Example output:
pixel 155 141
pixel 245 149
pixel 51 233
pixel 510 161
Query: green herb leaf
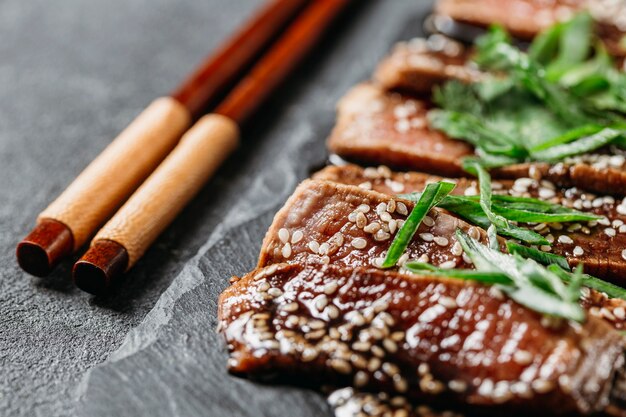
pixel 466 274
pixel 579 146
pixel 484 181
pixel 543 258
pixel 612 290
pixel 533 285
pixel 432 195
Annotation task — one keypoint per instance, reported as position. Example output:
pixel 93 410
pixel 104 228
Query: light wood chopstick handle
pixel 107 181
pixel 172 185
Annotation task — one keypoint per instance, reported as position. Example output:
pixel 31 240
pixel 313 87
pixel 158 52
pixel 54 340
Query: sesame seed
pixel 381 235
pixel 361 346
pixel 624 254
pixel 321 301
pixel 275 292
pixel 474 233
pixel 314 246
pixel 373 365
pixel 542 386
pixel 332 312
pixel 359 243
pixel 309 354
pixel 363 208
pixel 315 334
pixel 546 193
pixel 619 312
pixel 447 265
pixel 386 217
pixel 263 286
pixel 523 357
pixel 457 249
pixel 427 237
pixel 391 206
pixel 578 251
pixel 324 248
pixel 283 235
pixel 565 239
pixel 366 185
pixel 286 251
pixel 390 345
pixel 457 385
pixel 361 220
pixel 441 241
pixel 401 208
pixel 297 236
pixel 381 208
pixel 290 307
pixel 610 232
pixel 325 259
pixel 373 227
pixel 360 379
pixel 392 226
pixel 447 302
pixel 428 221
pixel 400 384
pixel 423 369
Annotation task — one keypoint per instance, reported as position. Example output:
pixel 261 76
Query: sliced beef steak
pixel 325 222
pixel 417 65
pixel 381 127
pixel 441 340
pixel 600 246
pixel 526 18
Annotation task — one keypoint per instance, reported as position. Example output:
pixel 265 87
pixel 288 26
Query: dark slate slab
pixel 73 74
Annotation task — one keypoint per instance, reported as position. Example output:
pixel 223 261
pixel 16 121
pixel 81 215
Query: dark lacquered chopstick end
pixel 100 266
pixel 48 243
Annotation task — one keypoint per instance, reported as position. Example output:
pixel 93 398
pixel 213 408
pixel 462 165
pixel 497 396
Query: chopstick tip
pixel 43 248
pixel 100 266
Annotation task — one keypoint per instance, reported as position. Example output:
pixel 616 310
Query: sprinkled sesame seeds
pixel 427 237
pixel 361 220
pixel 286 250
pixel 457 385
pixel 523 357
pixel 624 254
pixel 447 302
pixel 401 208
pixel 428 221
pixel 314 246
pixel 542 386
pixel 275 292
pixel 283 235
pixel 565 239
pixel 359 243
pixel 448 264
pixel 297 236
pixel 441 241
pixel 578 251
pixel 610 232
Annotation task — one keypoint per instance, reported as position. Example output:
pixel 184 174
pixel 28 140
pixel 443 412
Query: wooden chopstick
pixel 124 239
pixel 91 199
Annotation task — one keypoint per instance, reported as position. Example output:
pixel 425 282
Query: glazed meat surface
pixel 382 127
pixel 325 222
pixel 441 340
pixel 599 245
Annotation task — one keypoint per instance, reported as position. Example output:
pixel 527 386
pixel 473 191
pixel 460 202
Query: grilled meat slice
pixel 380 127
pixel 526 18
pixel 417 65
pixel 325 222
pixel 441 340
pixel 599 245
pixel 387 128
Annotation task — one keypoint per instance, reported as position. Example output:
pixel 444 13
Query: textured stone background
pixel 73 73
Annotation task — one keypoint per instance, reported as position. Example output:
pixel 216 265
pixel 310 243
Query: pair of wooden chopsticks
pixel 144 178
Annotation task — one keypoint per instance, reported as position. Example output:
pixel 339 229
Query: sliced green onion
pixel 533 285
pixel 543 258
pixel 484 181
pixel 612 290
pixel 579 146
pixel 466 274
pixel 432 196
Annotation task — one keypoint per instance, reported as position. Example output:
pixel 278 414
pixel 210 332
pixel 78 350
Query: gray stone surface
pixel 72 75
